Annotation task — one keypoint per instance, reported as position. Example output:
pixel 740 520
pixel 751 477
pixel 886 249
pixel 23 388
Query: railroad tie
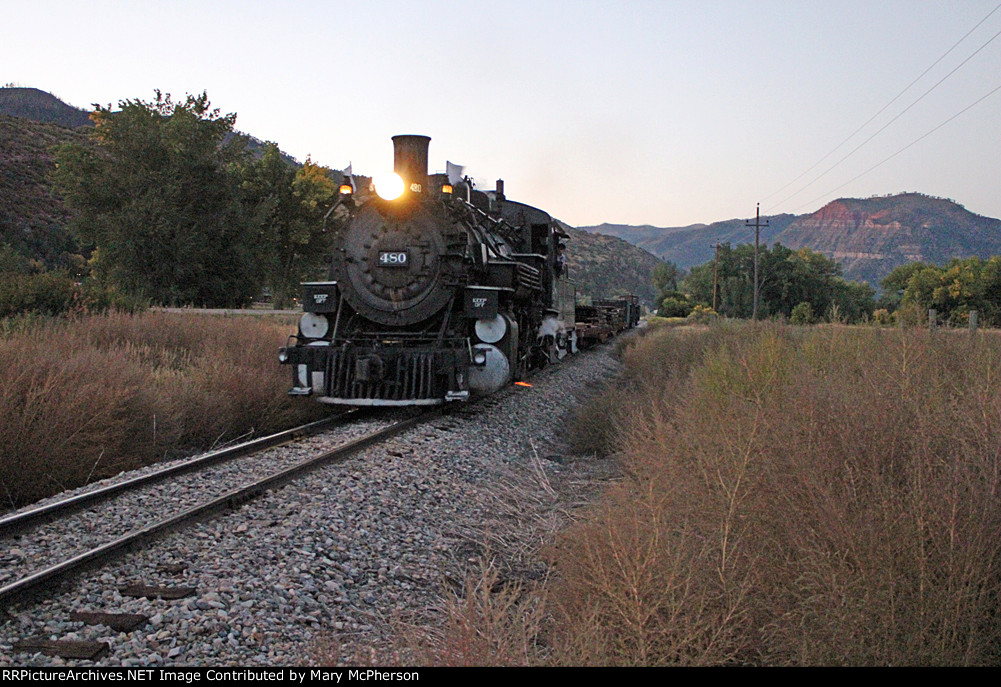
pixel 120 622
pixel 157 592
pixel 64 648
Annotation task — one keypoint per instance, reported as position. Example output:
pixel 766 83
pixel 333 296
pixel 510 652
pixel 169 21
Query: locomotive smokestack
pixel 410 159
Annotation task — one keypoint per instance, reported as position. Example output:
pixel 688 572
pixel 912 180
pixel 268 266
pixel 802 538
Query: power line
pixel 912 143
pixel 898 116
pixel 884 108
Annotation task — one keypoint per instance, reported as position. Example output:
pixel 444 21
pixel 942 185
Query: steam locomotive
pixel 437 292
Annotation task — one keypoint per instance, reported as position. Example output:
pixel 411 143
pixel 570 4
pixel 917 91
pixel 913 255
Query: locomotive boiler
pixel 437 292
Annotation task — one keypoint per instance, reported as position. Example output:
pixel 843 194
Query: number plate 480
pixel 390 258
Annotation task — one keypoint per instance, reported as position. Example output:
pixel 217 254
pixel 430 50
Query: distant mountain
pixel 607 266
pixel 872 236
pixel 39 106
pixel 693 244
pixel 645 235
pixel 868 237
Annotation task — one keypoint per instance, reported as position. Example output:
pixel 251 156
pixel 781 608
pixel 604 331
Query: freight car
pixel 603 319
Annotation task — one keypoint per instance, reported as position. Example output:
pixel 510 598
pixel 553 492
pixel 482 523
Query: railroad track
pixel 157 499
pixel 336 552
pixel 53 558
pixel 17 522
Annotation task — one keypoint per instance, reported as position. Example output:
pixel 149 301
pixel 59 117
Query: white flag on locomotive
pixel 454 172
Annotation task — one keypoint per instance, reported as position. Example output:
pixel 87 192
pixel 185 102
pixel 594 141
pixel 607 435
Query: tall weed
pixel 822 496
pixel 87 398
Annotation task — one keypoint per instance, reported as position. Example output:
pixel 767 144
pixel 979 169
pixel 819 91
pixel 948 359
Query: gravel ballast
pixel 75 533
pixel 342 555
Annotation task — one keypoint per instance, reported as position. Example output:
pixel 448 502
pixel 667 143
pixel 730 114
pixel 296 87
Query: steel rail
pixel 18 522
pixel 31 584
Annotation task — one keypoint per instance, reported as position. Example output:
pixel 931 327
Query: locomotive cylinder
pixel 410 159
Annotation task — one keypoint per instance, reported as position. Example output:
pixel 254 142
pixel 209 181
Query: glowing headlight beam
pixel 389 185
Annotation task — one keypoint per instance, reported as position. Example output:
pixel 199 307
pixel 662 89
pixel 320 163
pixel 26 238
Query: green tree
pixel 314 191
pixel 895 283
pixel 674 304
pixel 158 194
pixel 671 303
pixel 855 300
pixel 786 278
pixel 897 279
pixel 961 289
pixel 921 287
pixel 991 289
pixel 666 276
pixel 288 205
pixel 12 262
pixel 735 290
pixel 802 314
pixel 962 285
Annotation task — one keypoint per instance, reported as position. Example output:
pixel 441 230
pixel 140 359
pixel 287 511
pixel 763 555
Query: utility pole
pixel 715 274
pixel 757 233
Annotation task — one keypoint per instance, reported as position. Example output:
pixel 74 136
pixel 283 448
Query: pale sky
pixel 665 112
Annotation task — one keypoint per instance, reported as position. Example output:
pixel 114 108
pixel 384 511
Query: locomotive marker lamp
pixel 313 326
pixel 389 185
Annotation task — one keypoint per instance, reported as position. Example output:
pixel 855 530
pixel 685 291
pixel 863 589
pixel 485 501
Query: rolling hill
pixel 32 218
pixel 39 106
pixel 607 266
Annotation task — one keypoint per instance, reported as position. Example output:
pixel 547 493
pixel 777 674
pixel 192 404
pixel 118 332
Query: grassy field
pixel 86 398
pixel 792 496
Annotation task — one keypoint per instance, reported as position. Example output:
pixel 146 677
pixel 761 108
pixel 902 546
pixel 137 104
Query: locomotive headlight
pixel 389 185
pixel 480 358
